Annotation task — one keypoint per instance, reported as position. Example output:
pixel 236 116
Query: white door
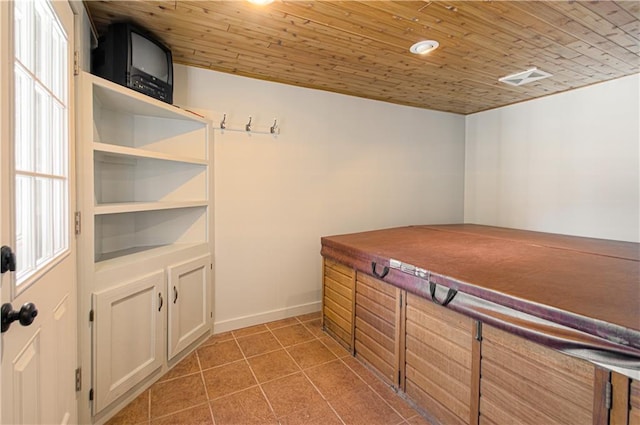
pixel 36 121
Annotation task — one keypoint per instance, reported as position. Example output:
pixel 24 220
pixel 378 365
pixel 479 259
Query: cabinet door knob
pixel 161 301
pixel 175 295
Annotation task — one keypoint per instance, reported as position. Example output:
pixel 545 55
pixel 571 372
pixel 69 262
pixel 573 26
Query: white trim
pixel 37 274
pixel 267 316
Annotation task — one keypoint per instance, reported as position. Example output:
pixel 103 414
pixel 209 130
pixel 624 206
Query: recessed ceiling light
pixel 260 2
pixel 424 47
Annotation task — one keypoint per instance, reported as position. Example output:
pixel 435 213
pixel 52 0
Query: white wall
pixel 567 163
pixel 341 164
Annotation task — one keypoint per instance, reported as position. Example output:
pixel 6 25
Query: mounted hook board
pixel 249 127
pixel 224 123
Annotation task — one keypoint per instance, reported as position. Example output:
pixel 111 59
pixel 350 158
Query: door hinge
pixel 78 379
pixel 607 395
pixel 78 222
pixel 76 63
pixel 91 394
pixel 91 316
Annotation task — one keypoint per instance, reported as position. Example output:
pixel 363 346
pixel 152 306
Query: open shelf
pixel 125 183
pixel 124 233
pixel 112 96
pixel 145 127
pixel 133 255
pixel 142 153
pixel 131 207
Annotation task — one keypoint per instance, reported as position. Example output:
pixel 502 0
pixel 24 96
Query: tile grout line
pixel 304 373
pixel 300 367
pixel 255 377
pixel 374 390
pixel 149 405
pixel 201 370
pixel 320 392
pixel 179 411
pixel 321 336
pixel 260 384
pixel 309 379
pixel 204 382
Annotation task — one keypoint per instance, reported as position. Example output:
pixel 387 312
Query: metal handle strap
pixel 385 271
pixel 450 295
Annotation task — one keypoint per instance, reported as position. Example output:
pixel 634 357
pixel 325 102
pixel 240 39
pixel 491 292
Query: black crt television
pixel 134 58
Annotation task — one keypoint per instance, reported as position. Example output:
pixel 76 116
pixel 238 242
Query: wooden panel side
pixel 337 314
pixel 341 268
pixel 341 299
pixel 438 336
pixel 337 302
pixel 338 277
pixel 620 403
pixel 367 351
pixel 342 337
pixel 379 303
pixel 523 382
pixel 438 360
pixel 379 317
pixel 476 355
pixel 433 407
pixel 377 284
pixel 634 403
pixel 401 337
pixel 365 330
pixel 436 312
pixel 601 381
pixel 376 326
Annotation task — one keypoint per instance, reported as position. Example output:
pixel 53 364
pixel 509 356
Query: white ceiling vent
pixel 533 74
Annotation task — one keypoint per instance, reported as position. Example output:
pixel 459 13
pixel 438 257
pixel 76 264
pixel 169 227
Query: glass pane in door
pixel 41 138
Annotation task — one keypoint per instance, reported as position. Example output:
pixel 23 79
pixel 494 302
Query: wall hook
pixel 223 123
pixel 248 126
pixel 274 127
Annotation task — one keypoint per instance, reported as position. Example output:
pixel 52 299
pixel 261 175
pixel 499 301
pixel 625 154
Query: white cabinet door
pixel 128 336
pixel 188 304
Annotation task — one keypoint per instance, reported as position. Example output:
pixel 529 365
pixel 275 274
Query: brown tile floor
pixel 283 372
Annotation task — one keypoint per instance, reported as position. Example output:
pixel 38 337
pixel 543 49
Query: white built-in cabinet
pixel 145 239
pixel 187 308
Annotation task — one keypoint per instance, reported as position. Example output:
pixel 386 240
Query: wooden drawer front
pixel 634 403
pixel 376 325
pixel 526 383
pixel 438 360
pixel 338 301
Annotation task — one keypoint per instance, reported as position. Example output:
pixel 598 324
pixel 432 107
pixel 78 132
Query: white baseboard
pixel 267 316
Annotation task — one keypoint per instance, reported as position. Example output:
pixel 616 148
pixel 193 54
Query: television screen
pixel 134 58
pixel 149 57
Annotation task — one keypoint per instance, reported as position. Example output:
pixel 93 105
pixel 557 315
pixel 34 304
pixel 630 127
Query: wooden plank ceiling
pixel 361 48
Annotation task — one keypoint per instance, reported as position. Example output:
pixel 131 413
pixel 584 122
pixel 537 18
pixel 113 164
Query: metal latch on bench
pixel 423 274
pixel 408 268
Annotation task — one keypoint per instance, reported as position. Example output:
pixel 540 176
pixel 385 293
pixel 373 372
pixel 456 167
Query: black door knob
pixel 25 316
pixel 7 260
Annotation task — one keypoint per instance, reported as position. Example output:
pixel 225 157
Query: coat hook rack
pixel 274 130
